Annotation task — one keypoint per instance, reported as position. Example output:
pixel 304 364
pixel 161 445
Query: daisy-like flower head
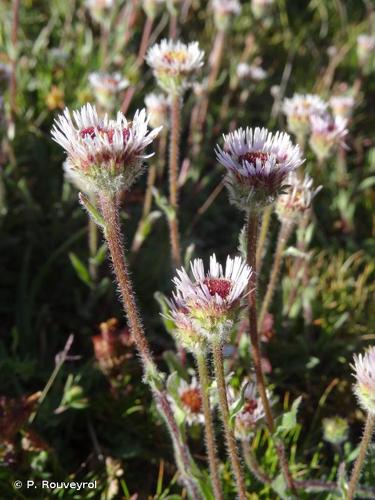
pixel 364 373
pixel 187 402
pixel 186 333
pixel 292 204
pixel 107 154
pixel 157 106
pixel 257 164
pixel 365 48
pixel 342 105
pixel 262 8
pixel 213 299
pixel 223 11
pixel 106 86
pixel 251 72
pixel 191 401
pixel 299 110
pixel 327 133
pixel 174 64
pixel 252 413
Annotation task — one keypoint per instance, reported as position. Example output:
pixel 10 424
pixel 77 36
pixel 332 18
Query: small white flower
pixel 342 105
pixel 327 133
pixel 252 413
pixel 257 164
pixel 251 72
pixel 297 198
pixel 157 106
pixel 106 87
pixel 108 82
pixel 212 299
pixel 108 154
pixel 364 372
pixel 174 63
pixel 300 108
pixel 224 10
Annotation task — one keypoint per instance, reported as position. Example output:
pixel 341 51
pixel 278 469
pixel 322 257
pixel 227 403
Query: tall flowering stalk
pixel 258 163
pixel 212 301
pixel 191 339
pixel 290 208
pixel 364 388
pixel 174 64
pixel 108 155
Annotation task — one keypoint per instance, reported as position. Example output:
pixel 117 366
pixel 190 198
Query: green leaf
pixel 162 301
pixel 367 183
pixel 144 228
pixel 163 204
pixel 288 420
pixel 280 487
pixel 295 252
pixel 91 210
pixel 173 381
pixel 80 268
pixel 237 406
pixel 100 255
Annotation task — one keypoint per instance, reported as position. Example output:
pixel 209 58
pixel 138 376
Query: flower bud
pixel 335 430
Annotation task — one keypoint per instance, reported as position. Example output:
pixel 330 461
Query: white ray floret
pixel 364 373
pixel 175 57
pixel 101 149
pixel 108 82
pixel 216 288
pixel 257 164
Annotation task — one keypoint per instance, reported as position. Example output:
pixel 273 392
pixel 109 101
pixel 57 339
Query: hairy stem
pixel 224 410
pixel 266 219
pixel 253 465
pixel 173 180
pixel 366 440
pixel 208 426
pixel 252 236
pixel 284 234
pixel 112 233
